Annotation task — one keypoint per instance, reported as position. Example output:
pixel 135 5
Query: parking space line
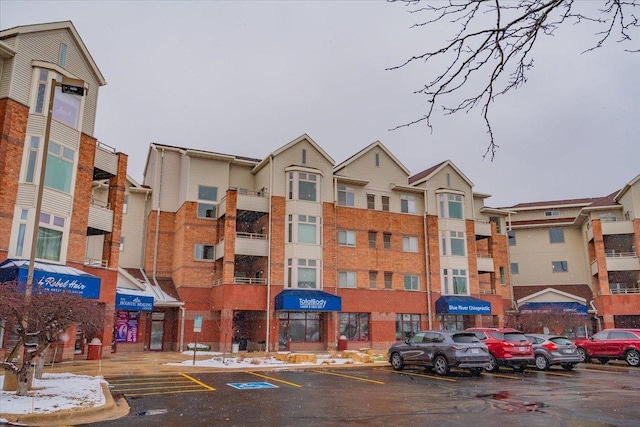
pixel 347 376
pixel 434 377
pixel 163 392
pixel 198 382
pixel 171 389
pixel 557 374
pixel 273 379
pixel 601 371
pixel 501 376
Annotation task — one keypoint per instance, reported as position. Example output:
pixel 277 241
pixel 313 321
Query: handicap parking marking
pixel 252 386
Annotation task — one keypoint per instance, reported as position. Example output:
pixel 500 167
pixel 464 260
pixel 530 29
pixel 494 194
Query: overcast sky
pixel 245 78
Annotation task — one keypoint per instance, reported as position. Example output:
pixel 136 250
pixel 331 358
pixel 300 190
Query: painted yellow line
pixel 168 392
pixel 557 374
pixel 198 382
pixel 273 379
pixel 130 389
pixel 423 375
pixel 501 376
pixel 172 381
pixel 348 376
pixel 601 371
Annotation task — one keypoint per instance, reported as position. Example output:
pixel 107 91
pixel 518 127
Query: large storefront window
pixel 301 326
pixel 355 326
pixel 407 325
pixel 126 326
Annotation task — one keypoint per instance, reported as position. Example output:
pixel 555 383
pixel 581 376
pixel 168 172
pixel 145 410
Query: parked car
pixel 551 350
pixel 621 344
pixel 507 347
pixel 441 350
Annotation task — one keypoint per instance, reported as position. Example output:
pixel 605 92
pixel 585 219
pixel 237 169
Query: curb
pixel 111 410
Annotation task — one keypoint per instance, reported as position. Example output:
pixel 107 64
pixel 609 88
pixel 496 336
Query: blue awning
pixel 571 307
pixel 461 304
pixel 51 278
pixel 301 300
pixel 132 300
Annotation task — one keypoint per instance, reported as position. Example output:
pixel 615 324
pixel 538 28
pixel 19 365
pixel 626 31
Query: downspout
pixel 157 236
pixel 595 314
pixel 336 332
pixel 514 304
pixel 270 193
pixel 426 259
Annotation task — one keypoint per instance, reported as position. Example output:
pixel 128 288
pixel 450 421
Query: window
pixel 302 186
pixel 62 56
pixel 406 325
pixel 42 91
pixel 59 169
pixel 607 217
pixel 307 229
pixel 556 235
pixel 497 222
pixel 346 196
pixel 386 239
pixel 443 242
pixel 347 279
pixel 552 212
pixel 66 108
pixel 204 252
pixel 388 283
pixel 371 201
pixel 302 326
pixel 125 203
pixel 373 279
pixel 207 196
pixel 411 282
pixel 457 243
pixel 448 180
pixel 515 269
pixel 307 273
pixel 503 277
pixel 32 157
pixel 385 203
pixel 304 156
pixel 450 206
pixel 49 242
pixel 410 244
pixel 459 279
pixel 407 203
pixel 24 213
pixel 346 238
pixel 377 160
pixel 355 326
pixel 121 244
pixel 512 237
pixel 372 239
pixel 560 266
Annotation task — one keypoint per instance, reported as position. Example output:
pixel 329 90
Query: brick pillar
pixel 229 258
pixel 81 200
pixel 13 127
pixel 117 185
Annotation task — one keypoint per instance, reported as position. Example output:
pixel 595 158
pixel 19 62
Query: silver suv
pixel 553 350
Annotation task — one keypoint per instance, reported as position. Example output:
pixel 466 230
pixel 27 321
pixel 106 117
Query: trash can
pixel 342 343
pixel 94 351
pixel 235 347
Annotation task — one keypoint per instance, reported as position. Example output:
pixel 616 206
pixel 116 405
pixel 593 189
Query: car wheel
pixel 584 357
pixel 493 364
pixel 541 362
pixel 632 358
pixel 568 366
pixel 519 368
pixel 475 371
pixel 440 365
pixel 397 362
pixel 603 360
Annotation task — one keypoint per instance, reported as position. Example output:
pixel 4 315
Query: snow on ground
pixel 57 392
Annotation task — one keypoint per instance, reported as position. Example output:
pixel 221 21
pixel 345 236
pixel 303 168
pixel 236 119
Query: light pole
pixel 71 86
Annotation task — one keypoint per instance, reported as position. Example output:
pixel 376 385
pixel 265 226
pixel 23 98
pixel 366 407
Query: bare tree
pixel 557 322
pixel 491 48
pixel 38 320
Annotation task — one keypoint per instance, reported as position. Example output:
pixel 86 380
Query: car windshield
pixel 515 337
pixel 465 338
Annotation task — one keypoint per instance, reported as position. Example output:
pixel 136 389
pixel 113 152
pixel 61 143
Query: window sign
pixel 127 326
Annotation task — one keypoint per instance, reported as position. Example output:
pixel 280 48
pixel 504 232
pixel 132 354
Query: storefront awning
pixel 51 277
pixel 461 304
pixel 553 307
pixel 301 300
pixel 132 300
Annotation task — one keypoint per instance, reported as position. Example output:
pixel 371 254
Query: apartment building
pixel 296 252
pixel 579 256
pixel 48 98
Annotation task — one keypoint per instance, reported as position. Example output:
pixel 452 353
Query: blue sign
pixel 51 278
pixel 133 302
pixel 461 304
pixel 570 307
pixel 251 386
pixel 301 300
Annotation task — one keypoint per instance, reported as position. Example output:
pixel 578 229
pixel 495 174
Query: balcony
pixel 622 261
pixel 253 244
pixel 105 163
pixel 243 281
pixel 483 229
pixel 617 227
pixel 100 218
pixel 485 264
pixel 624 288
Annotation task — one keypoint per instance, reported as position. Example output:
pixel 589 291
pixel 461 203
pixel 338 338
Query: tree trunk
pixel 40 363
pixel 24 380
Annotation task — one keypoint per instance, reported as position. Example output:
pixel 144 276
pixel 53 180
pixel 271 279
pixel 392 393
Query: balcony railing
pixel 251 236
pixel 624 288
pixel 613 253
pixel 243 281
pixel 96 262
pixel 487 291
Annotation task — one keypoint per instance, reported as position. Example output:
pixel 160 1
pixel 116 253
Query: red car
pixel 620 344
pixel 507 347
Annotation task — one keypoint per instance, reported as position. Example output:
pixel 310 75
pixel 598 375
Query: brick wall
pixel 81 200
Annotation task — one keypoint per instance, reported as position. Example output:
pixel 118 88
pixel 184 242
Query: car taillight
pixel 550 346
pixel 456 347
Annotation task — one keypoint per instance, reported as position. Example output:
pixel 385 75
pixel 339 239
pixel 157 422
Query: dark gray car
pixel 553 350
pixel 441 350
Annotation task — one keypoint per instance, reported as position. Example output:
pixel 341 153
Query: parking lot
pixel 591 395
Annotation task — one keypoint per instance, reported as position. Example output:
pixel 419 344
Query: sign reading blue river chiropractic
pixel 459 304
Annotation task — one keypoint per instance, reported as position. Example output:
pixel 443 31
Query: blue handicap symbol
pixel 251 386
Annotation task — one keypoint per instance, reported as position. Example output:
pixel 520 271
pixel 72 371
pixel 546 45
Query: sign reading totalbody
pixel 307 300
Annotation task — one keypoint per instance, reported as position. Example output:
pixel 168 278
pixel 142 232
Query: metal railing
pixel 487 291
pixel 243 281
pixel 96 262
pixel 612 253
pixel 251 236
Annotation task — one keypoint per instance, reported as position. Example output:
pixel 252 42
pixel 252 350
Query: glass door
pixel 157 331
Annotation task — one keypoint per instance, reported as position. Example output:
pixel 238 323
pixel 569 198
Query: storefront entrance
pixel 157 331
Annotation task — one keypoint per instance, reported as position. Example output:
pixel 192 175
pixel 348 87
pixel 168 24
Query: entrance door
pixel 283 335
pixel 157 331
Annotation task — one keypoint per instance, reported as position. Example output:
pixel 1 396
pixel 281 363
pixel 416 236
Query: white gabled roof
pixel 552 295
pixel 376 144
pixel 437 169
pixel 303 137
